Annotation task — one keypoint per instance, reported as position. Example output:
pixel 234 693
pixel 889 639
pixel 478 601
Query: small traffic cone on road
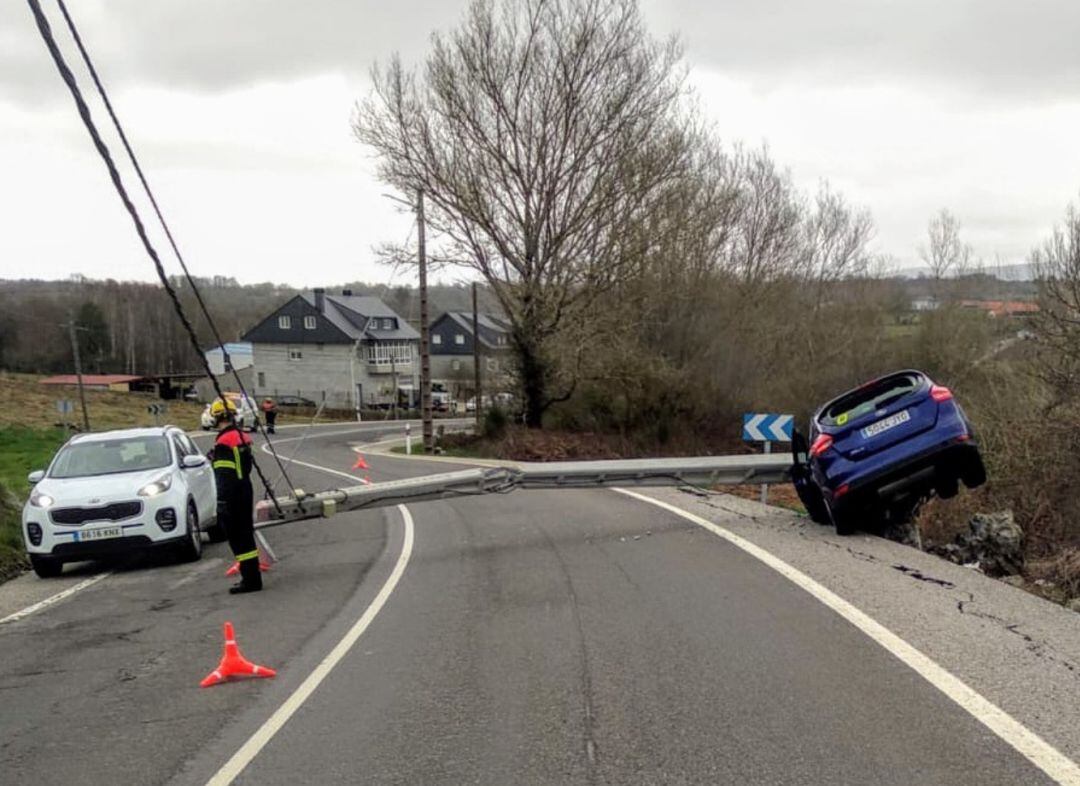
pixel 233 664
pixel 264 566
pixel 360 463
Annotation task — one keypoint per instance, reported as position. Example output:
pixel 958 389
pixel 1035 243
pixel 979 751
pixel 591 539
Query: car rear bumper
pixel 917 475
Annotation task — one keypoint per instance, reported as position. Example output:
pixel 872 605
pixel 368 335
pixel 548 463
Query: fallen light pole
pixel 703 471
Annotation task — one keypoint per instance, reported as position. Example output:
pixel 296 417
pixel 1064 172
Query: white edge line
pixel 250 749
pixel 54 599
pixel 1033 747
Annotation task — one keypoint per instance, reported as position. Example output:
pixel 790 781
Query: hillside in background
pixel 130 327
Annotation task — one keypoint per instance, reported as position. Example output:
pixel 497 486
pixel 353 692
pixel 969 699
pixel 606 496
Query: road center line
pixel 250 749
pixel 1033 747
pixel 54 599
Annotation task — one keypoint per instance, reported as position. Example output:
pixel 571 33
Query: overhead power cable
pixel 226 360
pixel 114 174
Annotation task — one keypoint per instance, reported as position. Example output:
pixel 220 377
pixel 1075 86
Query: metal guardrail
pixel 700 471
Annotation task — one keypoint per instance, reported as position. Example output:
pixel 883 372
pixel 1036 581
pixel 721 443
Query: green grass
pixel 22 450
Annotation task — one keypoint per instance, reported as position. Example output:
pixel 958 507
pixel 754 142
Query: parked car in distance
pixel 874 452
pixel 118 492
pixel 295 401
pixel 247 414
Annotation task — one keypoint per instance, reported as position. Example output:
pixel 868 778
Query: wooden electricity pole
pixel 476 361
pixel 78 373
pixel 425 349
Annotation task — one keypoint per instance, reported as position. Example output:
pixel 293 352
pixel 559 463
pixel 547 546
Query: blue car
pixel 875 452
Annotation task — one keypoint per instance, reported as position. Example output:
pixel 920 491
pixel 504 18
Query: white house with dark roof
pixel 452 350
pixel 344 349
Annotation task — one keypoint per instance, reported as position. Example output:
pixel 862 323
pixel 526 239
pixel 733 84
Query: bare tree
pixel 538 131
pixel 946 254
pixel 1056 266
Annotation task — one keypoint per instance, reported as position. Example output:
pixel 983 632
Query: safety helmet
pixel 219 408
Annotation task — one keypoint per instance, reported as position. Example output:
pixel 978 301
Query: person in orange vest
pixel 270 413
pixel 232 461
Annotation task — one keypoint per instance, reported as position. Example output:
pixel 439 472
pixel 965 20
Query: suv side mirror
pixel 36 476
pixel 193 462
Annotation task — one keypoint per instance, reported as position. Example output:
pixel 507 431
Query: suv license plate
pixel 884 425
pixel 100 534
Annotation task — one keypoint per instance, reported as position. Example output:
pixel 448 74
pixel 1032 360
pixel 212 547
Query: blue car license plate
pixel 884 425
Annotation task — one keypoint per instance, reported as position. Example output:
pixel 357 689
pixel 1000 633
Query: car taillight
pixel 821 444
pixel 940 393
pixel 841 491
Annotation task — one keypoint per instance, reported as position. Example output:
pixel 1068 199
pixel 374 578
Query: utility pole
pixel 78 372
pixel 425 349
pixel 476 361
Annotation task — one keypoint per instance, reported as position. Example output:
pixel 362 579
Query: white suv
pixel 116 492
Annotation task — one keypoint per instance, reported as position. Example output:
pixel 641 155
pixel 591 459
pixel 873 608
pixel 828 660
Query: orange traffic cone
pixel 233 664
pixel 235 567
pixel 360 463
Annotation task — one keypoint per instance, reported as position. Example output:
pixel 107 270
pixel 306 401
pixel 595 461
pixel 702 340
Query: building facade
pixel 349 351
pixel 453 352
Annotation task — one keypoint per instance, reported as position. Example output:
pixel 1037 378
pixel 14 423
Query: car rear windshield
pixel 110 456
pixel 869 398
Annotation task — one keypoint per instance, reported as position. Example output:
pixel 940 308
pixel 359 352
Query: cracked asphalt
pixel 539 637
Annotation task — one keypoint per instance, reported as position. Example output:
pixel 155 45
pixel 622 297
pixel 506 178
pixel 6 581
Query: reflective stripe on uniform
pixel 239 467
pixel 247 555
pixel 226 464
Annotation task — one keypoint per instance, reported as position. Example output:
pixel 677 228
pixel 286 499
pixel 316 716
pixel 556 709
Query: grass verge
pixel 24 450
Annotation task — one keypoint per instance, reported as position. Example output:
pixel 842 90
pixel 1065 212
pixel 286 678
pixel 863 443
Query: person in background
pixel 270 413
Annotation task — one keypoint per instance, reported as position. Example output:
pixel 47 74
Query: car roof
pixel 127 433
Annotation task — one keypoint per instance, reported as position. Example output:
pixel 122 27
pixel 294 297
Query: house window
pixel 295 354
pixel 284 322
pixel 459 338
pixel 309 323
pixel 455 365
pixel 262 379
pixel 492 365
pixel 502 341
pixel 436 338
pixel 388 324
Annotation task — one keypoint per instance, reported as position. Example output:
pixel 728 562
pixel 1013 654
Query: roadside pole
pixel 767 428
pixel 78 373
pixel 425 357
pixel 478 397
pixel 408 440
pixel 765 486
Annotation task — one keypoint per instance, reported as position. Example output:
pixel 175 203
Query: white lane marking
pixel 1033 747
pixel 54 599
pixel 250 749
pixel 316 466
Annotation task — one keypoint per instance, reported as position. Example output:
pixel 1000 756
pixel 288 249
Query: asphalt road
pixel 540 637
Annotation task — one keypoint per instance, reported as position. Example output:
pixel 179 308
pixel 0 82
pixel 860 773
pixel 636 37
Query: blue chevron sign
pixel 764 427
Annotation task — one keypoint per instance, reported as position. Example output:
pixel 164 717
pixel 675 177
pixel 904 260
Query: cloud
pixel 214 46
pixel 983 47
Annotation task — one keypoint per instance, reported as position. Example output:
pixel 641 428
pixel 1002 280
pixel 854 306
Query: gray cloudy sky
pixel 240 113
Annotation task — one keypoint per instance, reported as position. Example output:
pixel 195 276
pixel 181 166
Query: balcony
pixel 384 366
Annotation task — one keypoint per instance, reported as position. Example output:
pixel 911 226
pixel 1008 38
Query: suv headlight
pixel 39 500
pixel 156 486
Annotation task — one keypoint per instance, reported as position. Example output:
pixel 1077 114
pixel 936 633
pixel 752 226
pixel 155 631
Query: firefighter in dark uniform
pixel 232 462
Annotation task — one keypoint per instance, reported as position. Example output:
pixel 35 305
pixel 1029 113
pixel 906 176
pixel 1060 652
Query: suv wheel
pixel 190 548
pixel 46 567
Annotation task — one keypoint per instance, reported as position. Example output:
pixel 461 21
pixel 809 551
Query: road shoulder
pixel 1017 650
